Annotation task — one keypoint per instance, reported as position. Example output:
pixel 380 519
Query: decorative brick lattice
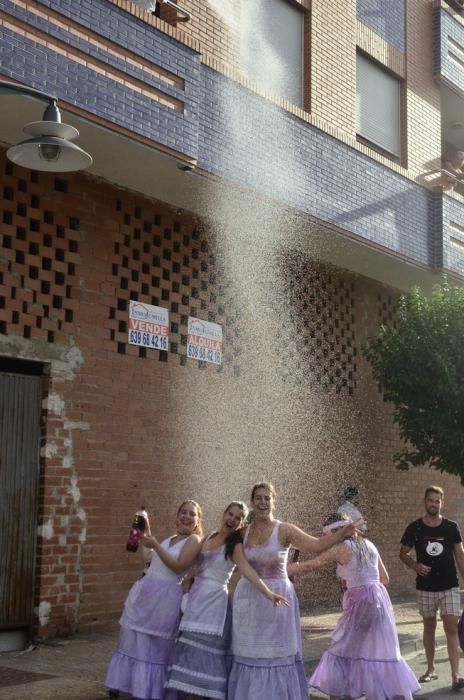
pixel 39 254
pixel 159 260
pixel 386 315
pixel 386 309
pixel 321 336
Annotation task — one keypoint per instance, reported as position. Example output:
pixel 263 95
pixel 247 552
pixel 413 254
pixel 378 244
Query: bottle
pixel 137 530
pixel 293 556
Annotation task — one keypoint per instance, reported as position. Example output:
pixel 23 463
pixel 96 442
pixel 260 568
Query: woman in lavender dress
pixel 364 655
pixel 151 612
pixel 199 665
pixel 266 641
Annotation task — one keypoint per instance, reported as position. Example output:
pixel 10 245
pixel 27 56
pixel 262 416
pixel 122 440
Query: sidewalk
pixel 316 630
pixel 74 668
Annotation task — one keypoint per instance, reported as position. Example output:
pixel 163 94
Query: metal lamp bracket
pixel 185 14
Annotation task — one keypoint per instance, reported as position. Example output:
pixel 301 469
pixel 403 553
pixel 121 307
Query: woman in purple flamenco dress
pixel 151 612
pixel 200 661
pixel 266 641
pixel 364 655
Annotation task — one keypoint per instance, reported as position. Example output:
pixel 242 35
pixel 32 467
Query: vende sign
pixel 148 326
pixel 204 341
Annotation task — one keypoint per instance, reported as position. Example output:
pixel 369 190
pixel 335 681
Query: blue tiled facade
pixel 325 178
pixel 448 43
pixel 387 19
pixel 36 65
pixel 453 235
pixel 329 180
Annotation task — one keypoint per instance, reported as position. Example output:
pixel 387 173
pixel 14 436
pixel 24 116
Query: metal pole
pixel 181 10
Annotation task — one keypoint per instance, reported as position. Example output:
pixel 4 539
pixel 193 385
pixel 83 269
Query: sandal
pixel 430 676
pixel 458 684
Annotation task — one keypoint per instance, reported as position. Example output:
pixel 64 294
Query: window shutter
pixel 378 106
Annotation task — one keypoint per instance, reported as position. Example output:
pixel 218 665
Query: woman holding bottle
pixel 151 611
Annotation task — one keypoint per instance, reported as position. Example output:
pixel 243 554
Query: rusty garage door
pixel 20 411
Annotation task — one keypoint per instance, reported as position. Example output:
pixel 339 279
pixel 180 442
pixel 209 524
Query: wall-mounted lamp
pixel 50 148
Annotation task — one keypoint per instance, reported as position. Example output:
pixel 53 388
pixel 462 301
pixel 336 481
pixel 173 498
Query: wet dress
pixel 199 664
pixel 364 655
pixel 266 640
pixel 148 626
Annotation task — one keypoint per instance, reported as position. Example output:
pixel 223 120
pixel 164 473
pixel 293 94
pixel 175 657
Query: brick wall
pixel 114 68
pixel 132 77
pixel 449 45
pixel 333 45
pixel 125 38
pixel 323 177
pixel 294 401
pixel 215 26
pixel 453 234
pixel 422 96
pixel 387 20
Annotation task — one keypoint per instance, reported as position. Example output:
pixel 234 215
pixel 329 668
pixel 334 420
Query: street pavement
pixel 75 668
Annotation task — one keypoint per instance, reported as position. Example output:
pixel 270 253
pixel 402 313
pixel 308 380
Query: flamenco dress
pixel 364 655
pixel 148 627
pixel 200 660
pixel 266 640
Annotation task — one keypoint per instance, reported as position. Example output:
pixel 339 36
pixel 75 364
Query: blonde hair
pixel 198 529
pixel 435 489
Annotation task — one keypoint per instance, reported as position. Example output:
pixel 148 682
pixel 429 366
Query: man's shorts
pixel 447 602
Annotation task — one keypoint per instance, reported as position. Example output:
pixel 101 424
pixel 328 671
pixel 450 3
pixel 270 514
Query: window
pixel 271 46
pixel 378 106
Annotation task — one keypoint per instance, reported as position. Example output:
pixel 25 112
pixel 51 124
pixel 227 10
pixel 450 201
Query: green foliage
pixel 420 365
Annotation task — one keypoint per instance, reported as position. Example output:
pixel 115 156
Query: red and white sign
pixel 204 341
pixel 148 326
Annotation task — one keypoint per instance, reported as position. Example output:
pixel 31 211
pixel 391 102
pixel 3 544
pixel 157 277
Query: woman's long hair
pixel 235 537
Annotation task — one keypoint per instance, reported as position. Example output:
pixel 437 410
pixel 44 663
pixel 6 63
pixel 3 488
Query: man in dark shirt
pixel 438 546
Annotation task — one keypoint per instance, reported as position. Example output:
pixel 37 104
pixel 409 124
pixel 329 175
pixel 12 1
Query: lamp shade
pixel 49 153
pixel 49 128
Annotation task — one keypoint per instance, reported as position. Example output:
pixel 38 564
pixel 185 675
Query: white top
pixel 205 609
pixel 158 568
pixel 260 630
pixel 363 567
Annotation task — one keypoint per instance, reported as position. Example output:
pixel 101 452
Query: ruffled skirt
pixel 139 665
pixel 201 663
pixel 364 655
pixel 268 659
pixel 268 679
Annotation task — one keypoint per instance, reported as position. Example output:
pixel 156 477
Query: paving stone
pixel 75 668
